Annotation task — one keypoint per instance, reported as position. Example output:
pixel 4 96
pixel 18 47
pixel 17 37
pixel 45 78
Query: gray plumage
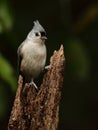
pixel 32 53
pixel 38 27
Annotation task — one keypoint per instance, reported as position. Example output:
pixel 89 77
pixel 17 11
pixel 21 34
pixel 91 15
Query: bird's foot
pixel 47 67
pixel 32 83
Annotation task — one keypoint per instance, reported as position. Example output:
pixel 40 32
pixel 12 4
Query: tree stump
pixel 39 110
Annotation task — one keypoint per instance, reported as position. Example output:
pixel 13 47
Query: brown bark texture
pixel 39 109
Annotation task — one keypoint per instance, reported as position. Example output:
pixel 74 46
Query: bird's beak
pixel 44 37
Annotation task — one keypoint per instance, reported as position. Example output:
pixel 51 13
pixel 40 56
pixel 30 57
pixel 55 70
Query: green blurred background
pixel 73 23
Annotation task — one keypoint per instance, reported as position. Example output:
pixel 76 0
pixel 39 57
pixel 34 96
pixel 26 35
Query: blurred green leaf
pixel 78 59
pixel 3 101
pixel 6 72
pixel 6 18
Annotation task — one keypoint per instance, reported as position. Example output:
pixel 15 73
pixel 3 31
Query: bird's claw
pixel 47 67
pixel 32 83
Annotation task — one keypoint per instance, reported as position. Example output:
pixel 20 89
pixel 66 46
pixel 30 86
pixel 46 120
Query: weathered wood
pixel 39 110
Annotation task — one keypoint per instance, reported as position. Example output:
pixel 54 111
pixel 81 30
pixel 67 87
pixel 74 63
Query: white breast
pixel 34 58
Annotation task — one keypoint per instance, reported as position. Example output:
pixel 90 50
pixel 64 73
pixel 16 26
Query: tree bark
pixel 39 110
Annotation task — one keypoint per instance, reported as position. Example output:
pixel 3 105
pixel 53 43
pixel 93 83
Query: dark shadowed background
pixel 73 23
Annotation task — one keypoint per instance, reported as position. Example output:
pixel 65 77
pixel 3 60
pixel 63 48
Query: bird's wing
pixel 20 56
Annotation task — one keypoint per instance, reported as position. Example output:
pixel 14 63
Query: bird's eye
pixel 43 34
pixel 36 34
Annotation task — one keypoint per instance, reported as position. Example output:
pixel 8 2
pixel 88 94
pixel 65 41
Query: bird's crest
pixel 38 27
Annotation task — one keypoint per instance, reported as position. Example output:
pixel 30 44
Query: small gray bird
pixel 32 54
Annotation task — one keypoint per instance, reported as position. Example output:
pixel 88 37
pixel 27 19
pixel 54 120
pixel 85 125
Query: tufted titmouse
pixel 32 54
